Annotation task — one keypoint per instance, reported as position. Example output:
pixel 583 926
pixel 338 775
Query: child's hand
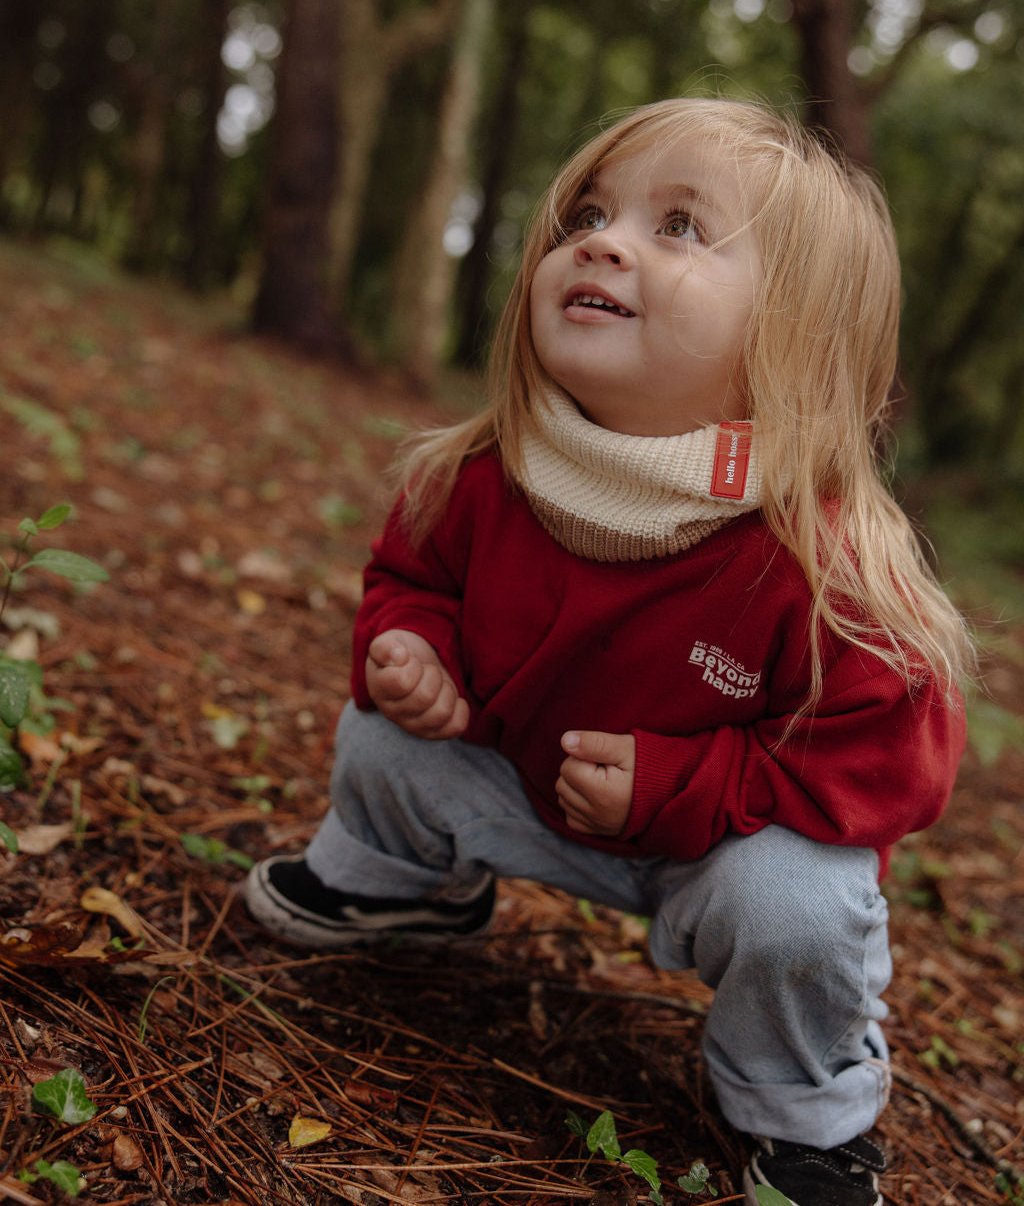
pixel 410 686
pixel 595 787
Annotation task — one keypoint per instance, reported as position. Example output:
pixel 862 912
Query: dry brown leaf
pixel 23 646
pixel 268 566
pixel 100 900
pixel 365 1094
pixel 39 749
pixel 95 944
pixel 62 943
pixel 127 1155
pixel 149 783
pixel 40 944
pixel 41 839
pixel 408 1185
pixel 263 1064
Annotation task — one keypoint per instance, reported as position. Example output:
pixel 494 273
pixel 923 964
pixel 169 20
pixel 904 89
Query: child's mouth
pixel 593 301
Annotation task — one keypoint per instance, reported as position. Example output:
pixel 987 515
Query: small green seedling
pixel 602 1137
pixel 21 681
pixel 213 850
pixel 697 1180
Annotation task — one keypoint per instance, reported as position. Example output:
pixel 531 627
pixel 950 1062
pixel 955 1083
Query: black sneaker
pixel 287 899
pixel 807 1176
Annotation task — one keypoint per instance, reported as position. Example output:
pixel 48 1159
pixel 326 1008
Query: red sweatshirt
pixel 702 656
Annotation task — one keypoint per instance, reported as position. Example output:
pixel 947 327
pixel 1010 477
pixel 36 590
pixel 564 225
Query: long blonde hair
pixel 819 365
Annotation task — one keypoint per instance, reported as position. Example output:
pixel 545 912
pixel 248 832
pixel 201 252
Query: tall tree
pixel 836 102
pixel 293 299
pixel 153 95
pixel 206 178
pixel 372 52
pixel 18 24
pixel 474 329
pixel 65 136
pixel 425 272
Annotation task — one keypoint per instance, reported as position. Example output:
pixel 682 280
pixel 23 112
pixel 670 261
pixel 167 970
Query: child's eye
pixel 680 226
pixel 587 218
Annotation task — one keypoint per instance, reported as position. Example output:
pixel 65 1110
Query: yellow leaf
pixel 304 1131
pixel 251 602
pixel 99 900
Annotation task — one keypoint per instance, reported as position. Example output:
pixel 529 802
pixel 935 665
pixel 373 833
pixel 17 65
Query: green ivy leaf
pixel 766 1196
pixel 602 1136
pixel 72 566
pixel 644 1166
pixel 696 1180
pixel 575 1124
pixel 12 772
pixel 9 838
pixel 54 517
pixel 15 686
pixel 64 1175
pixel 65 1097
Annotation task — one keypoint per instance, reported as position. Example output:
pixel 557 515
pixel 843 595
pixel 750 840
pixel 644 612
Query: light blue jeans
pixel 790 933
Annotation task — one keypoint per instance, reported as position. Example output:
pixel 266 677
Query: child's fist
pixel 595 786
pixel 410 686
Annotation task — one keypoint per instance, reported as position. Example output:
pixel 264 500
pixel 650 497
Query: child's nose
pixel 606 245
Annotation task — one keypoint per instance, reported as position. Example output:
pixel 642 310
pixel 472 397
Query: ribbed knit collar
pixel 612 497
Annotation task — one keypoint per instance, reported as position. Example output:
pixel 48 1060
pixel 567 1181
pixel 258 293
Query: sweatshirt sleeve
pixel 874 763
pixel 414 587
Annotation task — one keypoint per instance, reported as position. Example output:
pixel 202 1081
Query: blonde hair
pixel 819 365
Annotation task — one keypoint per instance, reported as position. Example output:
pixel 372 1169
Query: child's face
pixel 641 313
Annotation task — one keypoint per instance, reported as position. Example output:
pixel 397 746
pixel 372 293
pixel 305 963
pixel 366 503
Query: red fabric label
pixel 732 460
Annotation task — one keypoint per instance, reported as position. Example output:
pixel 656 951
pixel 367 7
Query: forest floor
pixel 231 488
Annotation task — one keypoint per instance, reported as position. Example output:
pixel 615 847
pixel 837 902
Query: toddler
pixel 650 629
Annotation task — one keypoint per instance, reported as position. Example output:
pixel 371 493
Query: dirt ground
pixel 231 488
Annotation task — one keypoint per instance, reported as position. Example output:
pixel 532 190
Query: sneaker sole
pixel 300 927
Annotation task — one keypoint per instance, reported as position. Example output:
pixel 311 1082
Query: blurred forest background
pixel 357 173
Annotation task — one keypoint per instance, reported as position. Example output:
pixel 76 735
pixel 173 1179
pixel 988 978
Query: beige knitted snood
pixel 612 497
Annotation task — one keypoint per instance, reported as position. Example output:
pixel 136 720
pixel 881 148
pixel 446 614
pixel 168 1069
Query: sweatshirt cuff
pixel 664 768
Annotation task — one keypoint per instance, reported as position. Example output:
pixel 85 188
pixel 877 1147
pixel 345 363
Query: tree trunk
pixel 474 323
pixel 60 151
pixel 204 192
pixel 371 53
pixel 425 271
pixel 836 102
pixel 148 149
pixel 293 298
pixel 18 23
